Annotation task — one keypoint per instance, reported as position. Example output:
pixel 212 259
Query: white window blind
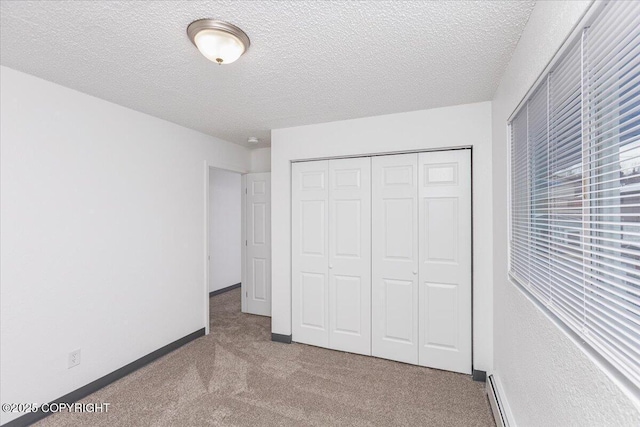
pixel 575 187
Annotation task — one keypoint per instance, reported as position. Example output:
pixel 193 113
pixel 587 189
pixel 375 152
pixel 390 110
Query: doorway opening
pixel 237 243
pixel 225 238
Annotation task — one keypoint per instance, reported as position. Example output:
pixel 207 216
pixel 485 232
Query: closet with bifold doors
pixel 381 256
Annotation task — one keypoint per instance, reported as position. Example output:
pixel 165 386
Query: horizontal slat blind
pixel 539 239
pixel 565 187
pixel 612 98
pixel 520 198
pixel 575 187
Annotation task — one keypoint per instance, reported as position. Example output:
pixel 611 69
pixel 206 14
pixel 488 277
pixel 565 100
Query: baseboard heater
pixel 497 403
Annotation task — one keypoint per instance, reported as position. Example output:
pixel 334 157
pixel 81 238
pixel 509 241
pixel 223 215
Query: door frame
pixel 428 150
pixel 207 229
pixel 243 245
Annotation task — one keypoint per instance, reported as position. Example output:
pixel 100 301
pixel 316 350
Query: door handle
pixel 330 266
pixel 415 272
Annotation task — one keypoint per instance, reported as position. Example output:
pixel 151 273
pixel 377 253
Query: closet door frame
pixel 373 155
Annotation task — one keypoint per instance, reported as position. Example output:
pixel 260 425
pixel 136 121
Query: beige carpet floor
pixel 237 377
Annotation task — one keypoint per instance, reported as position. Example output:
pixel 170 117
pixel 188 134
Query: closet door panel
pixel 445 260
pixel 350 255
pixel 395 257
pixel 310 252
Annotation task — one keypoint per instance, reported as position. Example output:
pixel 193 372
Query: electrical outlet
pixel 74 359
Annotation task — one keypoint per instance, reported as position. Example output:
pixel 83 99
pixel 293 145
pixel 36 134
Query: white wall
pixel 261 160
pixel 102 235
pixel 547 379
pixel 225 215
pixel 463 125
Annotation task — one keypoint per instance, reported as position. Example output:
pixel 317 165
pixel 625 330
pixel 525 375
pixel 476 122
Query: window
pixel 575 187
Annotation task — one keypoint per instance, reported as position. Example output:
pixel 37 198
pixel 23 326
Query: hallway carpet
pixel 237 377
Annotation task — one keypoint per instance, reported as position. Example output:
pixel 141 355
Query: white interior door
pixel 257 288
pixel 310 252
pixel 445 260
pixel 395 257
pixel 350 255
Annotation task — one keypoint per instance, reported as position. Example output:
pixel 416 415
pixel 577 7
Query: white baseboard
pixel 497 400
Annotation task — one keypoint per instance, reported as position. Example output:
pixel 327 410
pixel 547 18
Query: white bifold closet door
pixel 421 259
pixel 394 303
pixel 331 254
pixel 350 255
pixel 310 252
pixel 445 260
pixel 381 256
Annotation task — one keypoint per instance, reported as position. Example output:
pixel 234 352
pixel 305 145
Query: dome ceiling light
pixel 218 41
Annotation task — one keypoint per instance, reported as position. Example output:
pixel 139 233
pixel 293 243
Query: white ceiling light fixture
pixel 218 41
pixel 253 140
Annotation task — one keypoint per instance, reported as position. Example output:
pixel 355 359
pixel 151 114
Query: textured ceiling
pixel 309 62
